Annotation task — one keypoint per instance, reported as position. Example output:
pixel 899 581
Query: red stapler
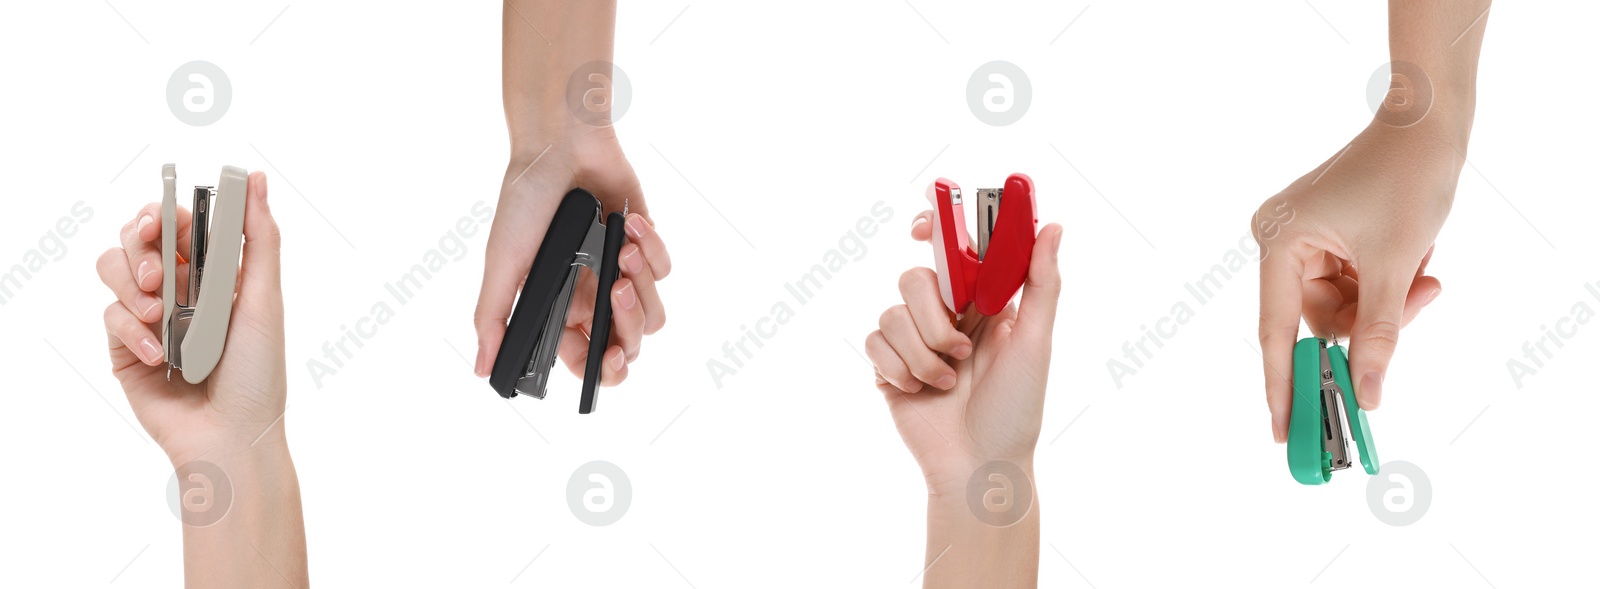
pixel 993 272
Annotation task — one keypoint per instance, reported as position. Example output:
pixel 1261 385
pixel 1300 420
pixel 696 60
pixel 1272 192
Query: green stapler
pixel 1317 426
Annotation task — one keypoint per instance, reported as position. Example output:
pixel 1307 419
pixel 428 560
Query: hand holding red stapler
pixel 967 395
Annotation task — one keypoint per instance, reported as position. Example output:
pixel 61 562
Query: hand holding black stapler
pixel 576 239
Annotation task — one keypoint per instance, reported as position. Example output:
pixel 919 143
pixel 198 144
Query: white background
pixel 791 123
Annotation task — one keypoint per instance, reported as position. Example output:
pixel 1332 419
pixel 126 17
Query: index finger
pixel 141 242
pixel 1280 327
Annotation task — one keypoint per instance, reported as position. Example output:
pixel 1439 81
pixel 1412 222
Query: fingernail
pixel 1055 247
pixel 635 226
pixel 154 302
pixel 633 262
pixel 917 222
pixel 145 268
pixel 961 351
pixel 1431 295
pixel 149 351
pixel 477 367
pixel 1278 435
pixel 145 220
pixel 945 382
pixel 616 363
pixel 626 298
pixel 1370 391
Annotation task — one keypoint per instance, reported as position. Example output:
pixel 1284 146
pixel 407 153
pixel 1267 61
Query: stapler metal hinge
pixel 1334 432
pixel 532 382
pixel 988 211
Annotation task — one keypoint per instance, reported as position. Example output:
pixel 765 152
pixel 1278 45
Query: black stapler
pixel 576 239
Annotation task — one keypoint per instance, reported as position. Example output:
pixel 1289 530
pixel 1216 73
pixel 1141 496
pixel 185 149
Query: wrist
pixel 545 130
pixel 245 447
pixel 994 493
pixel 949 478
pixel 571 139
pixel 986 534
pixel 1420 102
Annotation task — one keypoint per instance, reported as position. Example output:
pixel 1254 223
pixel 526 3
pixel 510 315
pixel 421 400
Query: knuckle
pixel 905 382
pixel 107 262
pixel 663 267
pixel 946 339
pixel 1381 335
pixel 914 279
pixel 1265 328
pixel 118 321
pixel 892 318
pixel 483 317
pixel 1049 280
pixel 271 236
pixel 575 363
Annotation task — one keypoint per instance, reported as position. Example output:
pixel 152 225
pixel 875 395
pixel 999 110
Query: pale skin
pixel 965 393
pixel 552 152
pixel 234 418
pixel 1346 246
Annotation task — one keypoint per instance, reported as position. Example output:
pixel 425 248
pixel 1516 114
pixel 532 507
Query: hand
pixel 535 182
pixel 1347 245
pixel 963 394
pixel 244 396
pixel 226 433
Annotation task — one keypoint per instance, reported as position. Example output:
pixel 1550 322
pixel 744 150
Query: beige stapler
pixel 194 330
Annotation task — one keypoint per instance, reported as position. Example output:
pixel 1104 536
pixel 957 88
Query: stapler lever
pixel 194 330
pixel 576 239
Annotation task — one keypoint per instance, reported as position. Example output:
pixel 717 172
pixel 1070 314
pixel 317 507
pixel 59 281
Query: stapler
pixel 992 273
pixel 576 239
pixel 1318 428
pixel 194 330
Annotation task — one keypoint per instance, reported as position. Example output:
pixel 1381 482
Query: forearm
pixel 964 551
pixel 251 533
pixel 543 43
pixel 1442 39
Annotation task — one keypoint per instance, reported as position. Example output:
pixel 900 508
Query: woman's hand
pixel 244 397
pixel 239 495
pixel 534 185
pixel 968 400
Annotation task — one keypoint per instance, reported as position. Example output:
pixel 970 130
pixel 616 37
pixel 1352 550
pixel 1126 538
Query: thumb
pixel 1036 314
pixel 1379 314
pixel 262 243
